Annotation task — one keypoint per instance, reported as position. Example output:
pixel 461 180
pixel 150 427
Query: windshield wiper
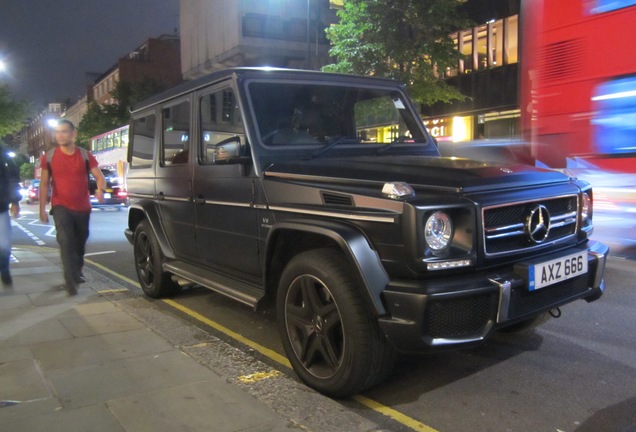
pixel 398 140
pixel 334 142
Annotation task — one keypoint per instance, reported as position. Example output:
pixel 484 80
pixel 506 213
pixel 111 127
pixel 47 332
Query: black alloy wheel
pixel 331 339
pixel 154 281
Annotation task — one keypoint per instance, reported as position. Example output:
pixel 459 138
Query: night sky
pixel 50 45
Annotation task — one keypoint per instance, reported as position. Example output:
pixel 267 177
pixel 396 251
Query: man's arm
pixel 101 183
pixel 44 195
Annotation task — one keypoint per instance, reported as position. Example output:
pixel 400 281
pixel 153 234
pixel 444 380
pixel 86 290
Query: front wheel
pixel 154 281
pixel 332 341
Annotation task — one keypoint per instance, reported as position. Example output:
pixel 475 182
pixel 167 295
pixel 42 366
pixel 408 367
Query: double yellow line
pixel 273 355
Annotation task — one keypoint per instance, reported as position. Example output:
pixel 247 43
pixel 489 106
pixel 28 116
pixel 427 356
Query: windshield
pixel 321 116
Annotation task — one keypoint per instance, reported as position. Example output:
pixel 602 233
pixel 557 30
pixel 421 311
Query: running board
pixel 240 291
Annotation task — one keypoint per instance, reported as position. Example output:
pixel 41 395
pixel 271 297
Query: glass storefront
pixel 486 46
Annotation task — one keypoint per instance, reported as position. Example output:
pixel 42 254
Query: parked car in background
pixel 31 191
pixel 115 196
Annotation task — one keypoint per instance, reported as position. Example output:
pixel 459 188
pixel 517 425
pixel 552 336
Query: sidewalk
pixel 86 363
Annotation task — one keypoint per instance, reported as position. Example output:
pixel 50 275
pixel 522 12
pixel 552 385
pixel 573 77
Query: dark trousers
pixel 72 233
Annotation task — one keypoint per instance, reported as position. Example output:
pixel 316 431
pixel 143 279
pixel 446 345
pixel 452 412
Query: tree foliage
pixel 407 40
pixel 27 171
pixel 12 113
pixel 103 118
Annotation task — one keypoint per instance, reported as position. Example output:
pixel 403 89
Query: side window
pixel 176 134
pixel 220 121
pixel 143 141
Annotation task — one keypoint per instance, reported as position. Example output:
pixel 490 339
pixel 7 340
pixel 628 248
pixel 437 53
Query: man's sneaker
pixel 6 278
pixel 80 279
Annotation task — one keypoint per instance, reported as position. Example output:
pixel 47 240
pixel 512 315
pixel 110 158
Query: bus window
pixel 601 6
pixel 615 120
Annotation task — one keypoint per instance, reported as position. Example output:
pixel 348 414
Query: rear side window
pixel 143 141
pixel 176 134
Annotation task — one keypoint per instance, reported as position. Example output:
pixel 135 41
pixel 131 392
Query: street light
pixel 3 66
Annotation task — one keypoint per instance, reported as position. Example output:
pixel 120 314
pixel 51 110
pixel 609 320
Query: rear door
pixel 174 174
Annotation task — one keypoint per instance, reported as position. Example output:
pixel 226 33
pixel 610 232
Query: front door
pixel 226 227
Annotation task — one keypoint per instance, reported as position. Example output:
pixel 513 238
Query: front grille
pixel 459 317
pixel 505 227
pixel 523 301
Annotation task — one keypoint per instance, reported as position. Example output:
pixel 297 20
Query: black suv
pixel 324 196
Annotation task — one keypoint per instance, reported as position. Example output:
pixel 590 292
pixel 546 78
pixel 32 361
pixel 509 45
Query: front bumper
pixel 465 310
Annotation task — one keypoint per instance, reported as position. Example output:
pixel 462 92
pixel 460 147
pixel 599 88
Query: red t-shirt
pixel 69 179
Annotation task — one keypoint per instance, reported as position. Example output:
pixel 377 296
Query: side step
pixel 240 291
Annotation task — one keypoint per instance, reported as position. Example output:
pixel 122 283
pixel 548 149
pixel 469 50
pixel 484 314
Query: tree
pixel 12 113
pixel 408 40
pixel 27 171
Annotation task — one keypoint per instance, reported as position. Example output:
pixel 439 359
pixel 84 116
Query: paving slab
pixel 87 385
pixel 15 353
pixel 97 349
pixel 204 406
pixel 27 410
pixel 32 326
pixel 90 325
pixel 94 418
pixel 22 380
pixel 10 300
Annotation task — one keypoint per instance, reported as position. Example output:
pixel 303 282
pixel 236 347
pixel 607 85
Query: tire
pixel 154 281
pixel 331 339
pixel 527 324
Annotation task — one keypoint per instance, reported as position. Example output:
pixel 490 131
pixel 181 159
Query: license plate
pixel 107 195
pixel 556 270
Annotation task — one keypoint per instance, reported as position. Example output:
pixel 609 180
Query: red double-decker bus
pixel 578 82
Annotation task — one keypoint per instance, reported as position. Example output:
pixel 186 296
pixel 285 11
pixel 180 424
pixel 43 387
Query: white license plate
pixel 107 195
pixel 557 270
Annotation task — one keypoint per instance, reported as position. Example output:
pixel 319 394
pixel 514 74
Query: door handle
pixel 200 200
pixel 161 196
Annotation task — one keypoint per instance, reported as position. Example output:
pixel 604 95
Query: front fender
pixel 147 210
pixel 354 245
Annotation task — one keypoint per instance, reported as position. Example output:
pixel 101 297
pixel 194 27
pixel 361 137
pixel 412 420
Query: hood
pixel 459 175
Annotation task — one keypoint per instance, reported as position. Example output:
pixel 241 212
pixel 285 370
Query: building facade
pixel 39 131
pixel 76 112
pixel 158 59
pixel 217 34
pixel 487 75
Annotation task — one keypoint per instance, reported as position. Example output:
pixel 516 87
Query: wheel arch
pixel 148 211
pixel 289 238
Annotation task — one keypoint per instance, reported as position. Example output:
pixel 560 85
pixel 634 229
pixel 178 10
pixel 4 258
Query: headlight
pixel 438 231
pixel 586 208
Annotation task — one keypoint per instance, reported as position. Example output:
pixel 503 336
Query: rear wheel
pixel 333 343
pixel 154 281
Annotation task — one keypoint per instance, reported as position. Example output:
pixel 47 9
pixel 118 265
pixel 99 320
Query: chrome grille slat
pixel 504 226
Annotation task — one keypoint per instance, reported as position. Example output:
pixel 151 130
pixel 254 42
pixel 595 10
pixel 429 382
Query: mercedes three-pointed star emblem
pixel 538 224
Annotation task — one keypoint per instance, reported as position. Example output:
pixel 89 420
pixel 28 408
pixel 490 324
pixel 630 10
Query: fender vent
pixel 337 199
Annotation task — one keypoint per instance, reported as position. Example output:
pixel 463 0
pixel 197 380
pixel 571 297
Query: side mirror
pixel 228 152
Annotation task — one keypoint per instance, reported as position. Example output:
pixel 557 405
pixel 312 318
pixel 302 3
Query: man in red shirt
pixel 67 170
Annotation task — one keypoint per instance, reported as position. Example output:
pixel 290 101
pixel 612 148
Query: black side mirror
pixel 229 151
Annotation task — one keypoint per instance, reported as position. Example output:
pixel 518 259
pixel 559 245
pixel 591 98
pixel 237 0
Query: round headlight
pixel 438 231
